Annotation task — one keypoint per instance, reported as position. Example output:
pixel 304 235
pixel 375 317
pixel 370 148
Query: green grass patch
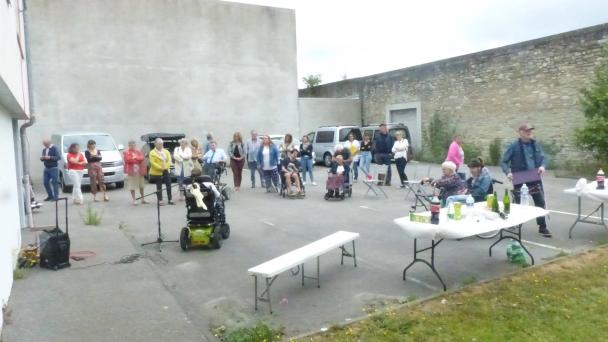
pixel 261 332
pixel 92 217
pixel 562 301
pixel 19 273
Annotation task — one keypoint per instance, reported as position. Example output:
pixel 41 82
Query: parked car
pixel 111 162
pixel 325 138
pixel 374 129
pixel 170 142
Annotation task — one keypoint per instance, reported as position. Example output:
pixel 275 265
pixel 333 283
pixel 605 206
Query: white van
pixel 111 157
pixel 325 138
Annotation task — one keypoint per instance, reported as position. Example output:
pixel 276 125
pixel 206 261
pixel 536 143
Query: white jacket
pixel 183 160
pixel 400 148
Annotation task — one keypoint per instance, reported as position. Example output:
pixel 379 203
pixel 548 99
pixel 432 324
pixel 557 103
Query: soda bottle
pixel 470 202
pixel 435 208
pixel 507 202
pixel 600 179
pixel 525 198
pixel 495 207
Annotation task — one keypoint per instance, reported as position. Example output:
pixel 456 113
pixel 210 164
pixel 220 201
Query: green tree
pixel 312 81
pixel 593 136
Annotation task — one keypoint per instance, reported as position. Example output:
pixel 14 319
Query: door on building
pixel 409 117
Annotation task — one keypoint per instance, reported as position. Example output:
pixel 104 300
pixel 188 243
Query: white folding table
pixel 470 225
pixel 589 191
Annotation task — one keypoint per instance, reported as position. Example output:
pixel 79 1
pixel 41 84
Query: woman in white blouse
pixel 400 148
pixel 182 155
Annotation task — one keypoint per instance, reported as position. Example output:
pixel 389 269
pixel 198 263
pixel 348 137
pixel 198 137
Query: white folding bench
pixel 271 269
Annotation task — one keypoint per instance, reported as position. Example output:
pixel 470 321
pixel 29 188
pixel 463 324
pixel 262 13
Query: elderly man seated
pixel 290 170
pixel 213 158
pixel 450 183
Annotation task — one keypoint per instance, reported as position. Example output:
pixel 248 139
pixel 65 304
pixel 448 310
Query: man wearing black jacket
pixel 50 156
pixel 383 145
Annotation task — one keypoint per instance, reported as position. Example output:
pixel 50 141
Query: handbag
pixel 196 165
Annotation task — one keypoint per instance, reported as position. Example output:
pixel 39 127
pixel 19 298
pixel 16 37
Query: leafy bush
pixel 551 149
pixel 437 136
pixel 258 333
pixel 495 152
pixel 470 151
pixel 593 136
pixel 91 216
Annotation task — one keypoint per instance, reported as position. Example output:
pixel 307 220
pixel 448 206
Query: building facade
pixel 487 94
pixel 141 66
pixel 14 106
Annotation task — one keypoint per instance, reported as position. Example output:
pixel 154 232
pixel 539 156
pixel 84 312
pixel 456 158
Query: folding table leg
pixel 431 264
pixel 268 284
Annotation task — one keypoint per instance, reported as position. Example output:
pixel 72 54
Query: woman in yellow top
pixel 160 163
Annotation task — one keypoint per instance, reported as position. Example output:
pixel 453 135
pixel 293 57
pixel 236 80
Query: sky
pixel 351 38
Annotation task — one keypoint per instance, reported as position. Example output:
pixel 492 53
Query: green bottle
pixel 507 202
pixel 495 207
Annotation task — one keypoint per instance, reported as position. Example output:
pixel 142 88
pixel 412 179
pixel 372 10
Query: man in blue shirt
pixel 526 154
pixel 213 158
pixel 383 145
pixel 49 157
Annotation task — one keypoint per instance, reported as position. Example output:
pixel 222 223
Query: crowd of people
pixel 294 163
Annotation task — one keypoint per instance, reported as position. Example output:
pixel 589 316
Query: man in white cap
pixel 522 155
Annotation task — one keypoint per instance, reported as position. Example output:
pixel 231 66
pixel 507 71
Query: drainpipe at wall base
pixel 25 156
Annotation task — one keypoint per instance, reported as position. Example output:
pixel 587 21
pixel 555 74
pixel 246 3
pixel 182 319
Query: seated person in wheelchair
pixel 450 183
pixel 203 180
pixel 290 171
pixel 212 159
pixel 346 157
pixel 478 185
pixel 335 177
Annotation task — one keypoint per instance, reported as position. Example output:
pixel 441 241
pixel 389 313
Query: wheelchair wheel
pixel 225 228
pixel 350 191
pixel 184 239
pixel 326 197
pixel 216 239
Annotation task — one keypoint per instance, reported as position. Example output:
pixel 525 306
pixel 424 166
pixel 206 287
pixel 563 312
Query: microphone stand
pixel 159 238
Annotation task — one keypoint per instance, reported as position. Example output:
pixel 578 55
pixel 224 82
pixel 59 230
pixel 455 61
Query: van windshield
pixel 103 142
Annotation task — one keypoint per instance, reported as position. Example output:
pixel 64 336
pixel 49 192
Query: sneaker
pixel 402 186
pixel 313 184
pixel 161 203
pixel 544 232
pixel 171 203
pixel 48 199
pixel 303 183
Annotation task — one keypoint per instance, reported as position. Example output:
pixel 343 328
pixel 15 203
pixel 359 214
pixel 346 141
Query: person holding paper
pixel 524 163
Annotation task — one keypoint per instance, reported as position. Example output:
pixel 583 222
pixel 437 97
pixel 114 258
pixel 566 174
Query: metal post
pixel 302 274
pixel 354 253
pixel 318 274
pixel 255 286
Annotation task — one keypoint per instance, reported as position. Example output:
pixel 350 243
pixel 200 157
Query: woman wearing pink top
pixel 135 168
pixel 456 154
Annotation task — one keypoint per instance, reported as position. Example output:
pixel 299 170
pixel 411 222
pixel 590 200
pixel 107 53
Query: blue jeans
pixel 306 162
pixel 271 177
pixel 356 170
pixel 51 175
pixel 253 169
pixel 365 160
pixel 457 198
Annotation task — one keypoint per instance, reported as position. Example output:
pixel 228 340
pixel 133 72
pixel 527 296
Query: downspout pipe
pixel 25 152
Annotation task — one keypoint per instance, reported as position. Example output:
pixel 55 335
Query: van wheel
pixel 327 159
pixel 65 188
pixel 120 185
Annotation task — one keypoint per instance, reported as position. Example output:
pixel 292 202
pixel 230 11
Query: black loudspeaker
pixel 54 244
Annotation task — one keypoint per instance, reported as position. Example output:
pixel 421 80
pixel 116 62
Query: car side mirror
pixel 121 147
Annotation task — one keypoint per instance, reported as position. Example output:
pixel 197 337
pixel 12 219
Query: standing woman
pixel 95 170
pixel 135 169
pixel 197 153
pixel 76 162
pixel 365 153
pixel 456 155
pixel 237 159
pixel 399 149
pixel 182 155
pixel 287 145
pixel 353 145
pixel 268 160
pixel 306 159
pixel 160 163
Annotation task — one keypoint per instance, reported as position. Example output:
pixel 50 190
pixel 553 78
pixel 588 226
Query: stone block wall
pixel 489 93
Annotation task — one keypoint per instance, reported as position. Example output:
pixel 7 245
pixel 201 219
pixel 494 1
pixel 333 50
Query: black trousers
pixel 401 163
pixel 159 181
pixel 537 193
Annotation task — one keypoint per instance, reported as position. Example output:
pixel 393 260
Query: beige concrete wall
pixel 315 112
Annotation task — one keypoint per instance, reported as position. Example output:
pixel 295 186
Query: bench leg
pixel 302 275
pixel 345 253
pixel 318 273
pixel 268 284
pixel 264 296
pixel 255 287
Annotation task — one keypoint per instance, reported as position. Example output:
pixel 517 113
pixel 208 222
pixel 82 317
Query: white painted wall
pixel 315 112
pixel 14 104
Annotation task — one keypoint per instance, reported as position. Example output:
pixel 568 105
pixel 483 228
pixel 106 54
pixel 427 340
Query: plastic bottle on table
pixel 525 197
pixel 450 210
pixel 470 202
pixel 435 208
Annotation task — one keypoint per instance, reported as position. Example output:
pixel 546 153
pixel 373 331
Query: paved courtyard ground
pixel 179 296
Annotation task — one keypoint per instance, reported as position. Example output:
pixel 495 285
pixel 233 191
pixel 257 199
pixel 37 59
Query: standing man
pixel 526 154
pixel 383 144
pixel 251 149
pixel 49 157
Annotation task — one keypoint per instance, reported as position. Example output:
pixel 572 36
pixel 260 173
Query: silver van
pixel 111 157
pixel 325 138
